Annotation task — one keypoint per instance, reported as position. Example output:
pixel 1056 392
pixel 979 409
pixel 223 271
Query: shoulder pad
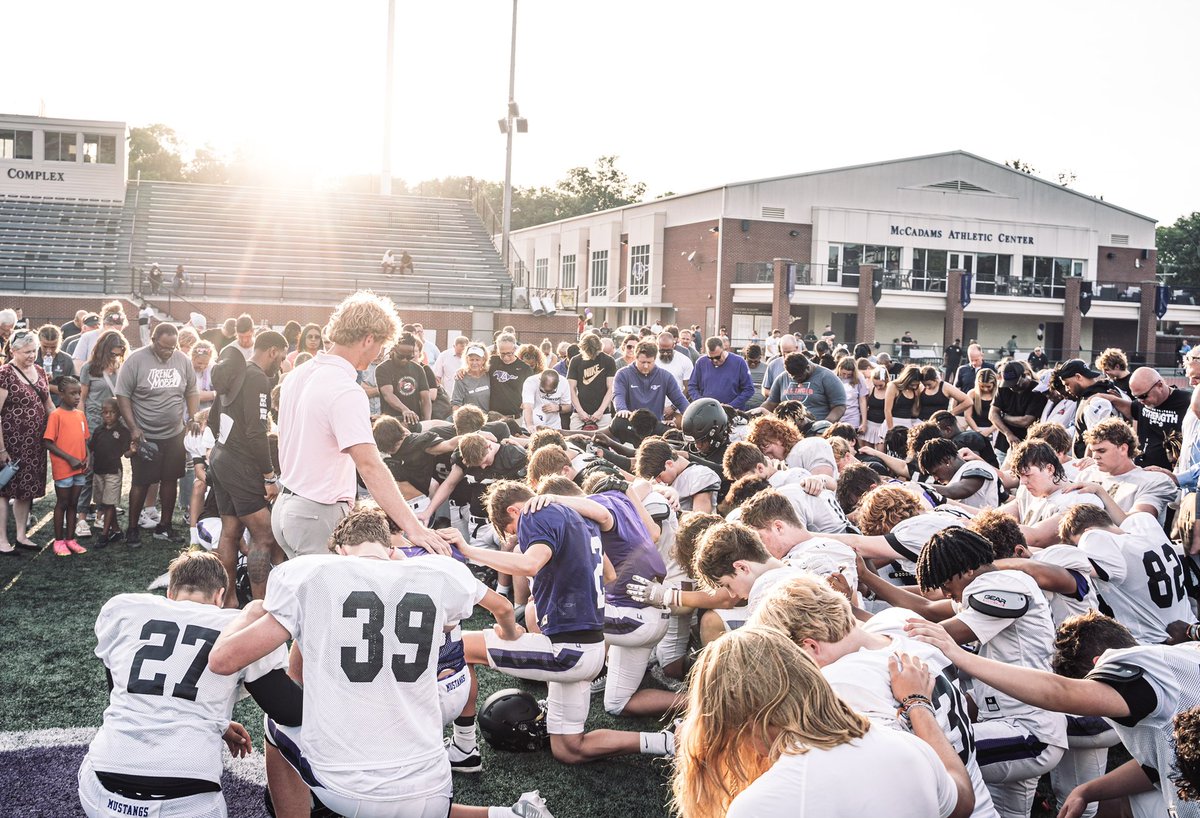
pixel 999 604
pixel 1118 672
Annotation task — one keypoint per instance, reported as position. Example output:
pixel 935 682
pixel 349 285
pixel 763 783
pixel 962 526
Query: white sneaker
pixel 463 761
pixel 155 514
pixel 148 518
pixel 82 529
pixel 532 805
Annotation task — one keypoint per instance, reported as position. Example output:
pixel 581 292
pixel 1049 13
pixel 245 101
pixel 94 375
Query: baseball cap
pixel 91 320
pixel 476 349
pixel 1013 371
pixel 1075 366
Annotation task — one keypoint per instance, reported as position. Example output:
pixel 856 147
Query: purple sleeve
pixel 745 385
pixel 619 391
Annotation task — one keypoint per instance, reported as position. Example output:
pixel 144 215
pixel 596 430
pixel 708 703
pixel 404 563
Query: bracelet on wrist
pixel 1193 632
pixel 915 697
pixel 904 713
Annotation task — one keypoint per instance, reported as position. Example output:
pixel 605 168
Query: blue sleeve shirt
pixel 569 589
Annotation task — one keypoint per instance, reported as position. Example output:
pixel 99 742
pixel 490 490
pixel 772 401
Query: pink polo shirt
pixel 322 413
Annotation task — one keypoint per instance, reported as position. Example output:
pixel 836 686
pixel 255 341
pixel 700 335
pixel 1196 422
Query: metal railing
pixel 517 271
pixel 904 280
pixel 88 279
pixel 1116 291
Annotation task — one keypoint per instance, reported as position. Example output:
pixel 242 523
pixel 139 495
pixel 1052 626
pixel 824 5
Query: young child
pixel 197 447
pixel 66 439
pixel 110 442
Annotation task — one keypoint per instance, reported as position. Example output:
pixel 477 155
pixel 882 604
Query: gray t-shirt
pixel 821 392
pixel 474 391
pixel 157 390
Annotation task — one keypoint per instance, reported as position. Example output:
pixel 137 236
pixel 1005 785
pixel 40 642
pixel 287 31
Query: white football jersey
pixel 1063 606
pixel 862 680
pixel 1033 510
pixel 369 631
pixel 1173 675
pixel 1009 614
pixel 823 557
pixel 787 477
pixel 1141 575
pixel 988 495
pixel 909 537
pixel 668 522
pixel 810 453
pixel 1136 486
pixel 167 711
pixel 819 513
pixel 693 480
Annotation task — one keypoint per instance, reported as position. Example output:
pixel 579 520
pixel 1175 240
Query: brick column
pixel 1147 338
pixel 1072 319
pixel 953 326
pixel 781 306
pixel 866 307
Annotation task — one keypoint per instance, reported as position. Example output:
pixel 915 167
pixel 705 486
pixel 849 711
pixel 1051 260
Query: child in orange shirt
pixel 66 438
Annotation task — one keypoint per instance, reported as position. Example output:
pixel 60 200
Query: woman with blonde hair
pixel 902 404
pixel 856 393
pixel 979 403
pixel 766 737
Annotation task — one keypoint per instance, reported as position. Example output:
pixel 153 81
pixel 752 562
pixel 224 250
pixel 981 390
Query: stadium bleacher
pixel 59 245
pixel 252 244
pixel 261 244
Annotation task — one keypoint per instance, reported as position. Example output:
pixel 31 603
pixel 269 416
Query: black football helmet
pixel 515 721
pixel 706 420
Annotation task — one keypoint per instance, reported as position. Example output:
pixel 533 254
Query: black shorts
pixel 169 464
pixel 237 484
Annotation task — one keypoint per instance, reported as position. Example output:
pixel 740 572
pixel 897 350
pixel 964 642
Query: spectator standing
pixel 54 362
pixel 507 374
pixel 156 391
pixel 758 371
pixel 291 331
pixel 721 375
pixel 66 439
pixel 24 407
pixel 678 364
pixel 181 279
pixel 906 344
pixel 856 389
pixel 1113 363
pixel 1017 405
pixel 964 378
pixel 605 330
pixel 687 344
pixel 368 379
pixel 629 346
pixel 244 329
pixel 98 384
pixel 772 344
pixel 1011 346
pixel 823 395
pixel 144 316
pixel 402 386
pixel 952 358
pixel 473 386
pixel 1038 360
pixel 324 419
pixel 222 336
pixel 112 317
pixel 72 328
pixel 450 362
pixel 590 377
pixel 109 443
pixel 645 386
pixel 202 361
pixel 428 348
pixel 787 345
pixel 1158 411
pixel 312 341
pixel 156 278
pixel 188 338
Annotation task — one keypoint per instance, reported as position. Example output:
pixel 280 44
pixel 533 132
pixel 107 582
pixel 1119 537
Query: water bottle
pixel 8 472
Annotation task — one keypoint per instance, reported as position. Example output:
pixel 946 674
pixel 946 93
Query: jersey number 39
pixel 416 616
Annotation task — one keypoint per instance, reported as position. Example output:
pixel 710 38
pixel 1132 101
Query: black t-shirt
pixel 1015 403
pixel 508 464
pixel 407 379
pixel 411 462
pixel 441 401
pixel 507 381
pixel 69 330
pixel 953 357
pixel 217 338
pixel 108 445
pixel 591 378
pixel 1160 428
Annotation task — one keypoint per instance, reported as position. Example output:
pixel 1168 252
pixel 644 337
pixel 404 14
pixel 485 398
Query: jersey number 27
pixel 186 688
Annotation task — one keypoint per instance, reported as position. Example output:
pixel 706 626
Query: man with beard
pixel 241 473
pixel 1158 410
pixel 1082 383
pixel 1017 405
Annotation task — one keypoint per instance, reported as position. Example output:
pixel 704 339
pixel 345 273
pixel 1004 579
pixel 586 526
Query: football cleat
pixel 531 805
pixel 463 761
pixel 600 681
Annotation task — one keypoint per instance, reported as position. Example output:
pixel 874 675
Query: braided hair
pixel 949 553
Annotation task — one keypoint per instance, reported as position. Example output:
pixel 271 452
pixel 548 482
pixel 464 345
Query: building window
pixel 99 149
pixel 567 272
pixel 638 317
pixel 844 260
pixel 929 271
pixel 60 147
pixel 16 144
pixel 992 273
pixel 599 274
pixel 1043 276
pixel 639 270
pixel 541 273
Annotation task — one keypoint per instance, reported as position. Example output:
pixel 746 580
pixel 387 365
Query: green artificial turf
pixel 49 677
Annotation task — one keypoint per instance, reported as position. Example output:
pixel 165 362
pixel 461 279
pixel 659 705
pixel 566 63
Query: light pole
pixel 512 119
pixel 385 173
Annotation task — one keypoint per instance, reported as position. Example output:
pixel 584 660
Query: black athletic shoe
pixel 164 532
pixel 133 538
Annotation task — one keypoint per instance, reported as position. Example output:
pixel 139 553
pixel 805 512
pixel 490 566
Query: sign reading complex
pixel 959 235
pixel 36 175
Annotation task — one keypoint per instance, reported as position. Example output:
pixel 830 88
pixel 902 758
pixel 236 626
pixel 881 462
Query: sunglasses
pixel 1146 394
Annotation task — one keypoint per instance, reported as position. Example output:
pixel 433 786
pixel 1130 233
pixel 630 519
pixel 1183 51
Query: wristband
pixel 270 482
pixel 1193 632
pixel 903 712
pixel 915 697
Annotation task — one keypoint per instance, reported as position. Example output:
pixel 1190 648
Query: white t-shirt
pixel 1140 574
pixel 1009 614
pixel 680 366
pixel 167 711
pixel 1135 486
pixel 533 396
pixel 1064 606
pixel 1033 510
pixel 862 680
pixel 830 783
pixel 200 445
pixel 370 631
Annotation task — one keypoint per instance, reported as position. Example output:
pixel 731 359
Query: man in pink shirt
pixel 325 435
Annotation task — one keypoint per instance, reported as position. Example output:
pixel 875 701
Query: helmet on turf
pixel 514 720
pixel 706 420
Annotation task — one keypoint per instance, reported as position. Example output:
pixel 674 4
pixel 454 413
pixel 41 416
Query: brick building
pixel 804 250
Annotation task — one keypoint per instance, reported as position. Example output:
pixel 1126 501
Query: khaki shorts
pixel 106 489
pixel 303 526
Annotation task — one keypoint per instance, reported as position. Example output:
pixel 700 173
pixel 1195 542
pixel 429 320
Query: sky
pixel 689 94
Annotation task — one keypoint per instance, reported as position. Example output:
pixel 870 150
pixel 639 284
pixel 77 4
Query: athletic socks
pixel 661 743
pixel 464 733
pixel 504 590
pixel 195 535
